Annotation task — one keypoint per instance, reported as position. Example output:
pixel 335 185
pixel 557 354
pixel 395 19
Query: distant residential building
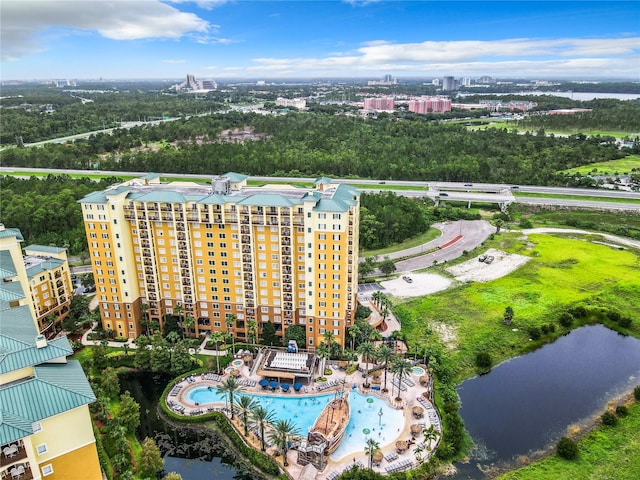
pixel 568 111
pixel 49 284
pixel 291 102
pixel 193 85
pixel 465 82
pixel 498 105
pixel 424 105
pixel 486 80
pixel 449 84
pixel 387 80
pixel 379 104
pixel 435 82
pixel 45 424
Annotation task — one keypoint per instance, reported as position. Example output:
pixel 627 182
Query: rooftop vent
pixel 41 341
pixel 221 185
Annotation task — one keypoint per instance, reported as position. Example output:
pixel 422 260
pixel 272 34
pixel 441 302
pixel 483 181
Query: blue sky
pixel 220 39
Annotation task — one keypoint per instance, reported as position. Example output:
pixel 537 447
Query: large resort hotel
pixel 230 256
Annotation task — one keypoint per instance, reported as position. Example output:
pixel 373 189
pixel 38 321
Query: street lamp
pixel 380 417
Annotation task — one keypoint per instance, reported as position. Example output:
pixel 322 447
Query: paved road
pixel 420 191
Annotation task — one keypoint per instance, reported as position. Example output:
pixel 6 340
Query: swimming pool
pixel 418 371
pixel 303 411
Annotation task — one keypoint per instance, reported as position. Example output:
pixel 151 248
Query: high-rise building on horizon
pixel 227 255
pixel 448 84
pixel 383 104
pixel 424 105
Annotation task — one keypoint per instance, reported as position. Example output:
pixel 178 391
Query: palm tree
pixel 431 434
pixel 245 405
pixel 252 331
pixel 418 452
pixel 376 297
pixel 354 331
pixel 370 449
pixel 261 416
pixel 384 354
pixel 229 387
pixel 367 350
pixel 188 323
pixel 179 310
pixel 280 435
pixel 217 337
pixel 144 309
pixel 401 367
pixel 231 321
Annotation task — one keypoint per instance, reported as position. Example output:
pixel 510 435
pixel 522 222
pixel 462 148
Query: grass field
pixel 604 453
pixel 585 198
pixel 512 125
pixel 562 272
pixel 612 167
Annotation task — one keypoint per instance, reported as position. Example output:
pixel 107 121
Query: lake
pixel 527 403
pixel 582 96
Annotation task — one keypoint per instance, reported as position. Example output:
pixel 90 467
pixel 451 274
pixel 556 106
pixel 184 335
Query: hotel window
pixel 47 470
pixel 36 426
pixel 41 449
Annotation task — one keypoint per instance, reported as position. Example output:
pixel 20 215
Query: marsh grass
pixel 606 452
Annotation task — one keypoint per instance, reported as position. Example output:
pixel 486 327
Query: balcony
pixel 12 453
pixel 152 207
pixel 167 218
pixel 19 471
pixel 248 277
pixel 154 217
pixel 165 209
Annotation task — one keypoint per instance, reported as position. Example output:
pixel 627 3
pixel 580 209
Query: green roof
pixel 215 199
pixel 266 200
pixel 43 266
pixel 7 267
pixel 54 389
pixel 11 232
pixel 46 249
pixel 95 197
pixel 323 180
pixel 11 291
pixel 17 342
pixel 160 196
pixel 235 177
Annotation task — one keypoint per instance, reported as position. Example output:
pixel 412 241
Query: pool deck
pixel 411 396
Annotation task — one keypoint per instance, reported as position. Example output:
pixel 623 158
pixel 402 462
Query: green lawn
pixel 425 237
pixel 562 272
pixel 604 453
pixel 612 167
pixel 585 198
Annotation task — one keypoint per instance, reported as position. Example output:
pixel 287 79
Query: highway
pixel 421 187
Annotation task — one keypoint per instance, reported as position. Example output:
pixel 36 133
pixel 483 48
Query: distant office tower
pixel 379 104
pixel 45 424
pixel 466 81
pixel 424 105
pixel 448 84
pixel 191 84
pixel 225 251
pixel 486 80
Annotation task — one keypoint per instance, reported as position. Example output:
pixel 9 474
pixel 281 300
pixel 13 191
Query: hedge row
pixel 105 462
pixel 258 459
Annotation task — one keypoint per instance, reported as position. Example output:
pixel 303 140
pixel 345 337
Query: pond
pixel 527 403
pixel 196 454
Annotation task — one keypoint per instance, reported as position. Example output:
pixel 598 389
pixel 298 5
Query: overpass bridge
pixel 469 194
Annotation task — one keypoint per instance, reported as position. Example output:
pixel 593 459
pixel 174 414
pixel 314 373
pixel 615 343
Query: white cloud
pixel 520 56
pixel 24 21
pixel 206 4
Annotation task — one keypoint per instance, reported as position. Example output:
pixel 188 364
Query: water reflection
pixel 527 403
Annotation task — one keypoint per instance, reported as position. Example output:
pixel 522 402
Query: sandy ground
pixel 473 270
pixel 423 284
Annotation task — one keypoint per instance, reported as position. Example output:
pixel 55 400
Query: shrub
pixel 544 329
pixel 567 448
pixel 622 411
pixel 578 312
pixel 613 315
pixel 525 223
pixel 566 319
pixel 636 393
pixel 625 322
pixel 551 327
pixel 609 418
pixel 483 360
pixel 534 333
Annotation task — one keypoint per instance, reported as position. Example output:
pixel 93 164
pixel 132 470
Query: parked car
pixel 482 258
pixel 489 259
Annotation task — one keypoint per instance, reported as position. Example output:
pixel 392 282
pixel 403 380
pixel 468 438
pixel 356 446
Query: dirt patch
pixel 447 333
pixel 420 284
pixel 475 271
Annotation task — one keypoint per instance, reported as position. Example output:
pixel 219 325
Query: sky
pixel 263 40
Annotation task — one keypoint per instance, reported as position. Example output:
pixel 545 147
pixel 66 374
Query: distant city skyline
pixel 220 39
